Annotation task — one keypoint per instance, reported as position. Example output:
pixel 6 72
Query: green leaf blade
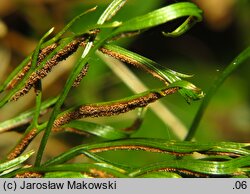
pixel 103 131
pixel 111 10
pixel 12 163
pixel 161 16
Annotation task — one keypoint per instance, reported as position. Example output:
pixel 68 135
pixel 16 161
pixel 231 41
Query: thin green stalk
pixel 38 89
pixel 95 157
pixel 235 64
pixel 33 67
pixel 88 51
pixel 111 10
pixel 49 42
pixel 19 86
pixel 37 50
pixel 38 85
pixel 64 30
pixel 25 117
pixel 76 70
pixel 14 73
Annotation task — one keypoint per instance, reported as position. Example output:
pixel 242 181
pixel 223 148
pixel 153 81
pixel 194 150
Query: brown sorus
pixel 113 108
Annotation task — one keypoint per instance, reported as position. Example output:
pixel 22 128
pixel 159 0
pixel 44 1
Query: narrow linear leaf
pixel 15 162
pixel 65 29
pixel 115 107
pixel 154 145
pixel 111 10
pixel 144 63
pixel 175 147
pixel 97 170
pixel 188 91
pixel 103 131
pixel 233 167
pixel 25 117
pixel 234 65
pixel 14 73
pixel 34 58
pixel 161 16
pixel 95 157
pixel 28 80
pixel 37 49
pixel 56 38
pixel 70 81
pixel 99 159
pixel 67 174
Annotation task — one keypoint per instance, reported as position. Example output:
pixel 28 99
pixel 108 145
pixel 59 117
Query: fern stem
pixel 234 65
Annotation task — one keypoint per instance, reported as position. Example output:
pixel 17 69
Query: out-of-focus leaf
pixel 25 117
pixel 14 73
pixel 240 176
pixel 103 131
pixel 15 162
pixel 234 65
pixel 64 175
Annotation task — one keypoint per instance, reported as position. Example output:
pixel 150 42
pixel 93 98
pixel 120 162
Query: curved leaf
pixel 111 10
pixel 189 22
pixel 154 145
pixel 188 90
pixel 161 16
